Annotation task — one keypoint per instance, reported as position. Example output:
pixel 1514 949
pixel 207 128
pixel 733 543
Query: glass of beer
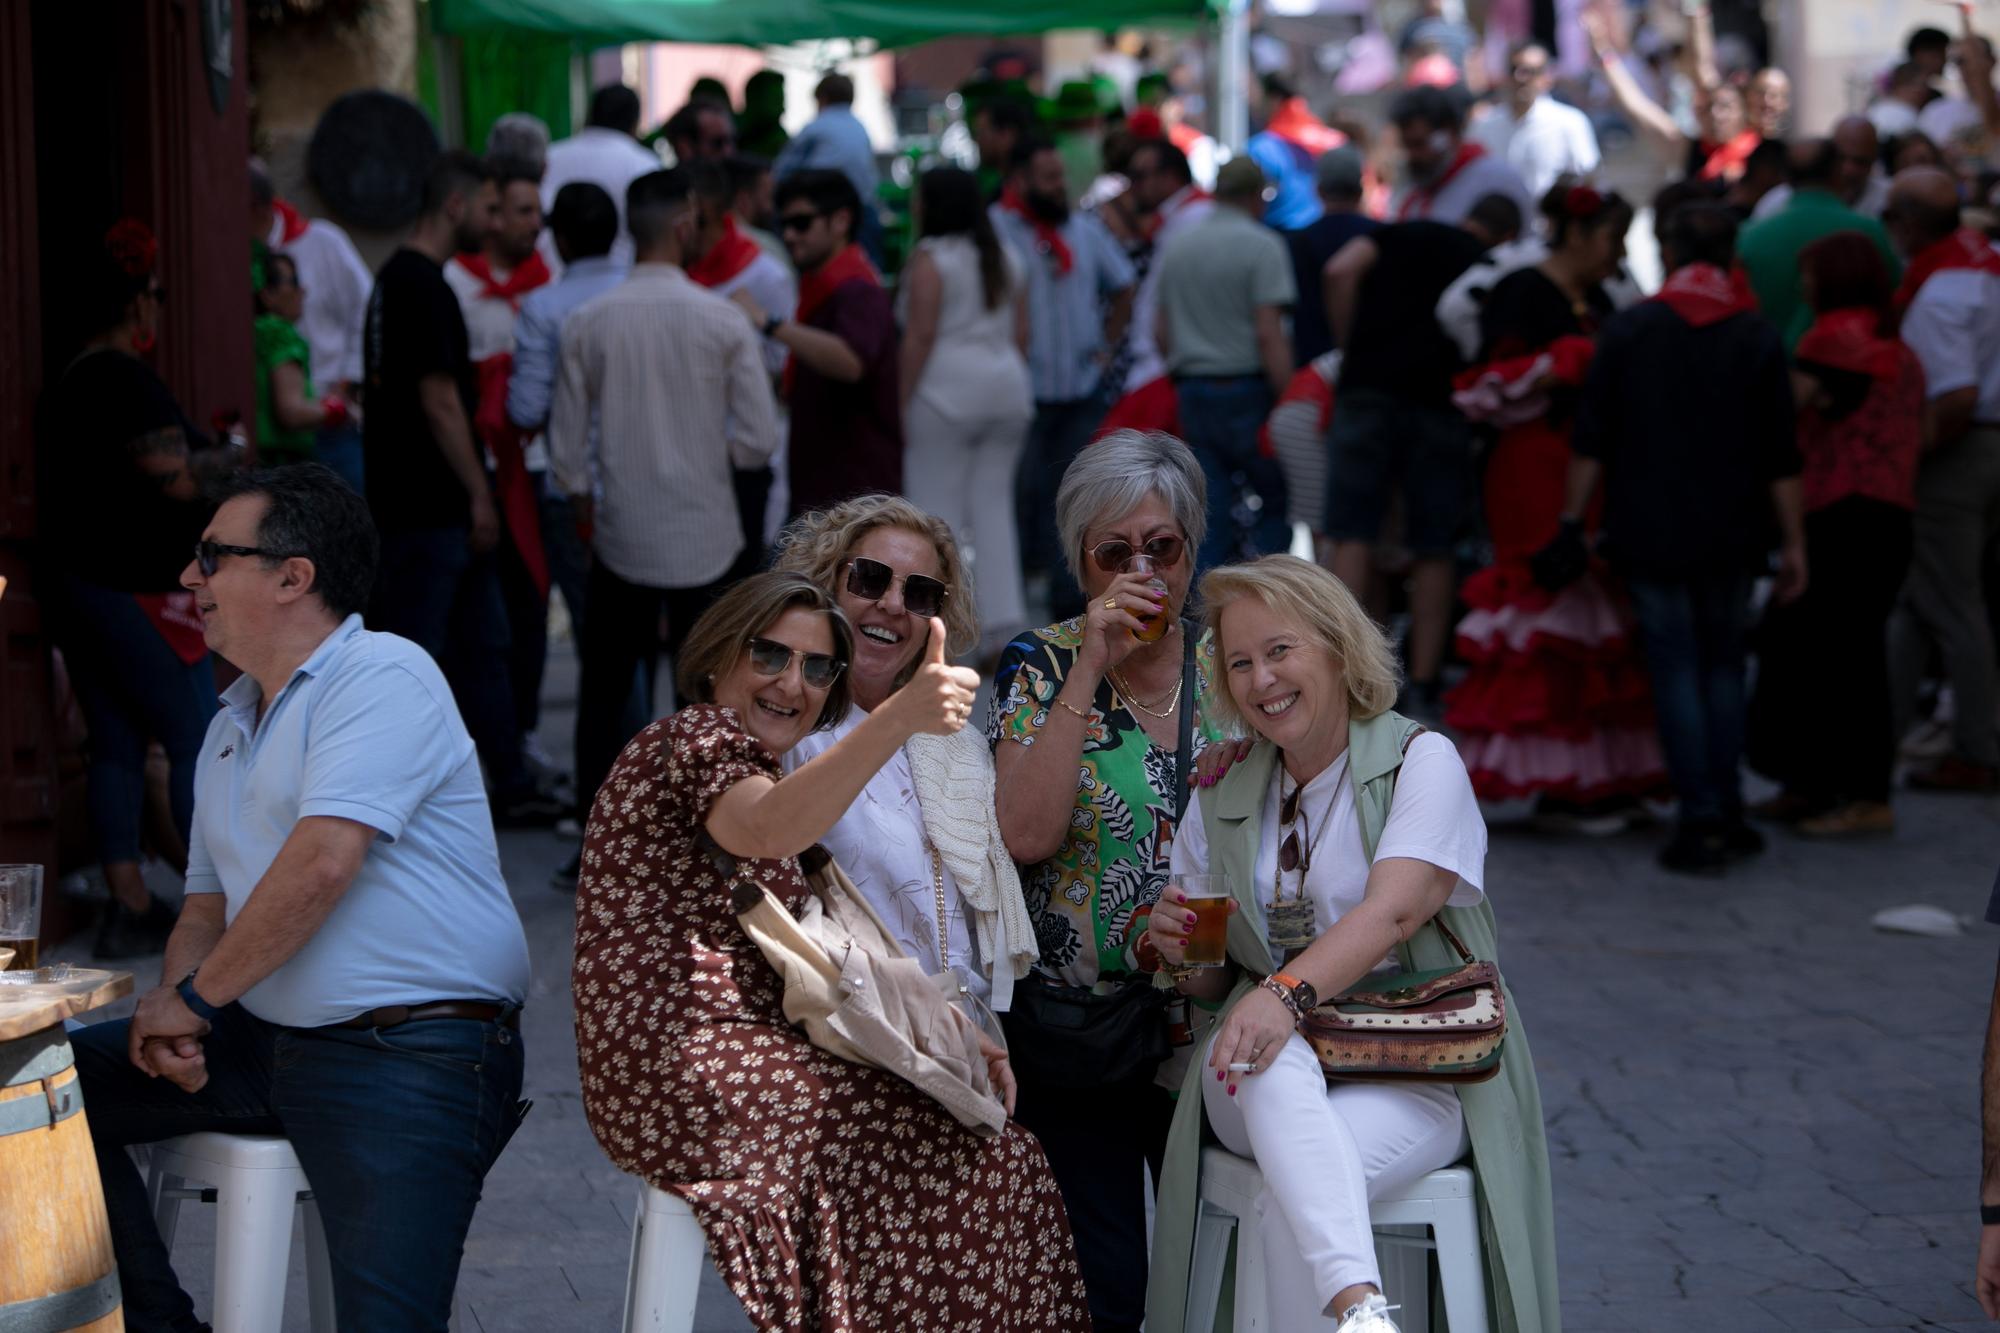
pixel 1208 937
pixel 1151 628
pixel 21 914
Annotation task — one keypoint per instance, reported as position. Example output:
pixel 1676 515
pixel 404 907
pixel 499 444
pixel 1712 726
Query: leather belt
pixel 395 1015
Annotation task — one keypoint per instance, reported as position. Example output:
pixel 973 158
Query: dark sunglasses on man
pixel 790 222
pixel 870 580
pixel 208 555
pixel 1164 552
pixel 770 658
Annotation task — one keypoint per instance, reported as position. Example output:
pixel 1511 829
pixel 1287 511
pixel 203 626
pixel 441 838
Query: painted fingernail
pixel 1232 1089
pixel 1219 1076
pixel 1179 897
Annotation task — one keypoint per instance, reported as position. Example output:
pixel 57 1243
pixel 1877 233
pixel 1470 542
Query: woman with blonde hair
pixel 921 841
pixel 1343 836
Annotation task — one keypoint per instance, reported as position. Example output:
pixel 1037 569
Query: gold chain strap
pixel 944 930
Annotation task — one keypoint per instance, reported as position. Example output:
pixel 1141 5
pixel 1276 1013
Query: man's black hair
pixel 1701 233
pixel 1927 39
pixel 745 170
pixel 1172 160
pixel 1439 108
pixel 615 107
pixel 828 191
pixel 310 512
pixel 1027 147
pixel 1814 162
pixel 455 172
pixel 584 217
pixel 650 201
pixel 685 124
pixel 1009 113
pixel 1498 215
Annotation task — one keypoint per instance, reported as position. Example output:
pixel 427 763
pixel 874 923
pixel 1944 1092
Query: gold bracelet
pixel 1073 708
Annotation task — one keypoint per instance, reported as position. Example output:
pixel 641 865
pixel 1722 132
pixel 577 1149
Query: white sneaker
pixel 1368 1315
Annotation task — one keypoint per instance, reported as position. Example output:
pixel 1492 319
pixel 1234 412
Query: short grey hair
pixel 519 137
pixel 1122 471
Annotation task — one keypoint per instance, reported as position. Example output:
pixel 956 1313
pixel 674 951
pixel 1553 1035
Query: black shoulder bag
pixel 1073 1037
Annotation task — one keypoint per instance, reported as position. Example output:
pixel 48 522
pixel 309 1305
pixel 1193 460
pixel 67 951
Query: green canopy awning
pixel 774 22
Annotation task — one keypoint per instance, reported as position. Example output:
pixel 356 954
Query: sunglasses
pixel 870 580
pixel 799 221
pixel 1293 851
pixel 1164 552
pixel 208 555
pixel 818 670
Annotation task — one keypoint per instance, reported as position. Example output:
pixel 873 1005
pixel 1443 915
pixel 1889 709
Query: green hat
pixel 1075 103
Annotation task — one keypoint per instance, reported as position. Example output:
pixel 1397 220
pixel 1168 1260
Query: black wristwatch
pixel 1989 1214
pixel 771 323
pixel 190 997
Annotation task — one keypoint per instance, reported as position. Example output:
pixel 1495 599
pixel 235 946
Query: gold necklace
pixel 1125 691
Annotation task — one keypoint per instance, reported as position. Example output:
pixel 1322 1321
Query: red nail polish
pixel 1232 1089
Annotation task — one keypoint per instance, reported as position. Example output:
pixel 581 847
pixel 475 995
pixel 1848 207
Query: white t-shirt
pixel 1949 120
pixel 1434 818
pixel 1551 140
pixel 880 843
pixel 1953 325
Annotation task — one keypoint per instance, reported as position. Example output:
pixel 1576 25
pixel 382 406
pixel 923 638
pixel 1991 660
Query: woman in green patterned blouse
pixel 1086 727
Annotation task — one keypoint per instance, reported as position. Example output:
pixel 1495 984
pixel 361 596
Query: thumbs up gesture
pixel 938 698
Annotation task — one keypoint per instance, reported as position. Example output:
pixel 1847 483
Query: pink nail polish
pixel 1218 1075
pixel 1232 1089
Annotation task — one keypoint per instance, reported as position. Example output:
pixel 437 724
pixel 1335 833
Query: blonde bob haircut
pixel 1323 610
pixel 744 612
pixel 819 545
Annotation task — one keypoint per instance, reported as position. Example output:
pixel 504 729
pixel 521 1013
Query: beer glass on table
pixel 1208 935
pixel 21 914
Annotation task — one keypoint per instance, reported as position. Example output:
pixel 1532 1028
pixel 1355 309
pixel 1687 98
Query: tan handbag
pixel 857 995
pixel 1445 1026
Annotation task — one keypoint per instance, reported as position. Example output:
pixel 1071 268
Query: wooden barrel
pixel 56 1268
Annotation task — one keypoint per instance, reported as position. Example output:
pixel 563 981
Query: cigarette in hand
pixel 1242 1066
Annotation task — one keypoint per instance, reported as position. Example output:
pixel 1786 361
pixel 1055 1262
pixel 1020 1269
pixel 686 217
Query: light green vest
pixel 1503 1115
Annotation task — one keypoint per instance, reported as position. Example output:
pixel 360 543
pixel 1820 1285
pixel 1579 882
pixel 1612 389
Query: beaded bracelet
pixel 1290 1002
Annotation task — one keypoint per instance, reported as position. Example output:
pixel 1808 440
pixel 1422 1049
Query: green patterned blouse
pixel 1091 900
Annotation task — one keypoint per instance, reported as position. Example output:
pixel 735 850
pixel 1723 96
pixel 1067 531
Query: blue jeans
pixel 434 591
pixel 133 689
pixel 1220 418
pixel 395 1128
pixel 1694 634
pixel 339 448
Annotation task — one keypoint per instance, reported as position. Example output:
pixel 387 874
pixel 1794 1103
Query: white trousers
pixel 962 471
pixel 1325 1150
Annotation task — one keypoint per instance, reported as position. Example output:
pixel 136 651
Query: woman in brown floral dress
pixel 835 1196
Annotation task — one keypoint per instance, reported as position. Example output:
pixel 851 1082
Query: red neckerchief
pixel 1467 154
pixel 1728 160
pixel 1184 136
pixel 513 488
pixel 174 615
pixel 730 255
pixel 1851 340
pixel 1963 249
pixel 1049 235
pixel 817 288
pixel 1295 123
pixel 1188 195
pixel 294 222
pixel 1703 294
pixel 527 275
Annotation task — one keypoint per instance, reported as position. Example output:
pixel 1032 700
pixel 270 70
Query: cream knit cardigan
pixel 954 781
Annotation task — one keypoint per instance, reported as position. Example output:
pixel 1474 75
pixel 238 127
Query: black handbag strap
pixel 1184 752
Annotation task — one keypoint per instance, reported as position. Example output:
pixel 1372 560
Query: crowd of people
pixel 1106 389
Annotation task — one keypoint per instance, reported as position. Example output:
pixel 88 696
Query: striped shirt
pixel 1065 323
pixel 674 373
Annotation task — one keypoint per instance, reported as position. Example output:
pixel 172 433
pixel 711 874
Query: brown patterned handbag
pixel 1445 1026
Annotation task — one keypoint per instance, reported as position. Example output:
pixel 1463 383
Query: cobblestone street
pixel 1763 1111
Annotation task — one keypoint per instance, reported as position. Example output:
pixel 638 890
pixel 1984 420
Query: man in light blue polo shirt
pixel 348 967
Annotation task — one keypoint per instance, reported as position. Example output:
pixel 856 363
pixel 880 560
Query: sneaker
pixel 1694 851
pixel 124 933
pixel 1370 1314
pixel 564 880
pixel 1953 773
pixel 1853 820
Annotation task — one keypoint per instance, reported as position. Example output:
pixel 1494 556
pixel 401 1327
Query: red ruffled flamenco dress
pixel 1556 704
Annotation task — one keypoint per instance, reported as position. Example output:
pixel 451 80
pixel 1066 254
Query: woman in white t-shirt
pixel 921 842
pixel 967 399
pixel 1301 660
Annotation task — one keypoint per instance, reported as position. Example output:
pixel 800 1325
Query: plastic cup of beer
pixel 1151 628
pixel 1208 938
pixel 20 914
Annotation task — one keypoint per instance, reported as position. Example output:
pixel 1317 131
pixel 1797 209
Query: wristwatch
pixel 1299 996
pixel 771 323
pixel 201 1008
pixel 1989 1214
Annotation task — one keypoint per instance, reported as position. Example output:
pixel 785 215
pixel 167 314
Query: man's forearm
pixel 454 438
pixel 293 899
pixel 194 939
pixel 825 353
pixel 1788 498
pixel 1583 475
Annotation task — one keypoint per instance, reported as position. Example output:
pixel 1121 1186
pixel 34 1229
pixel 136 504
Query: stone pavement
pixel 1763 1113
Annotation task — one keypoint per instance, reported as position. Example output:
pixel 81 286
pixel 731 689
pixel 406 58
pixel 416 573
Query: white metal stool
pixel 257 1181
pixel 1441 1204
pixel 664 1276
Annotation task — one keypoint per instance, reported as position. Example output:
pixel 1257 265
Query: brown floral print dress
pixel 835 1196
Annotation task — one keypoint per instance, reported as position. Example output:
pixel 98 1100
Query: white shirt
pixel 677 380
pixel 1454 200
pixel 773 287
pixel 1434 818
pixel 364 730
pixel 881 844
pixel 1950 120
pixel 1551 140
pixel 489 332
pixel 336 284
pixel 975 371
pixel 1953 325
pixel 1891 118
pixel 1181 211
pixel 606 158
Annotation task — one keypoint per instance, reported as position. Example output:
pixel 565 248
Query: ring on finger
pixel 1111 604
